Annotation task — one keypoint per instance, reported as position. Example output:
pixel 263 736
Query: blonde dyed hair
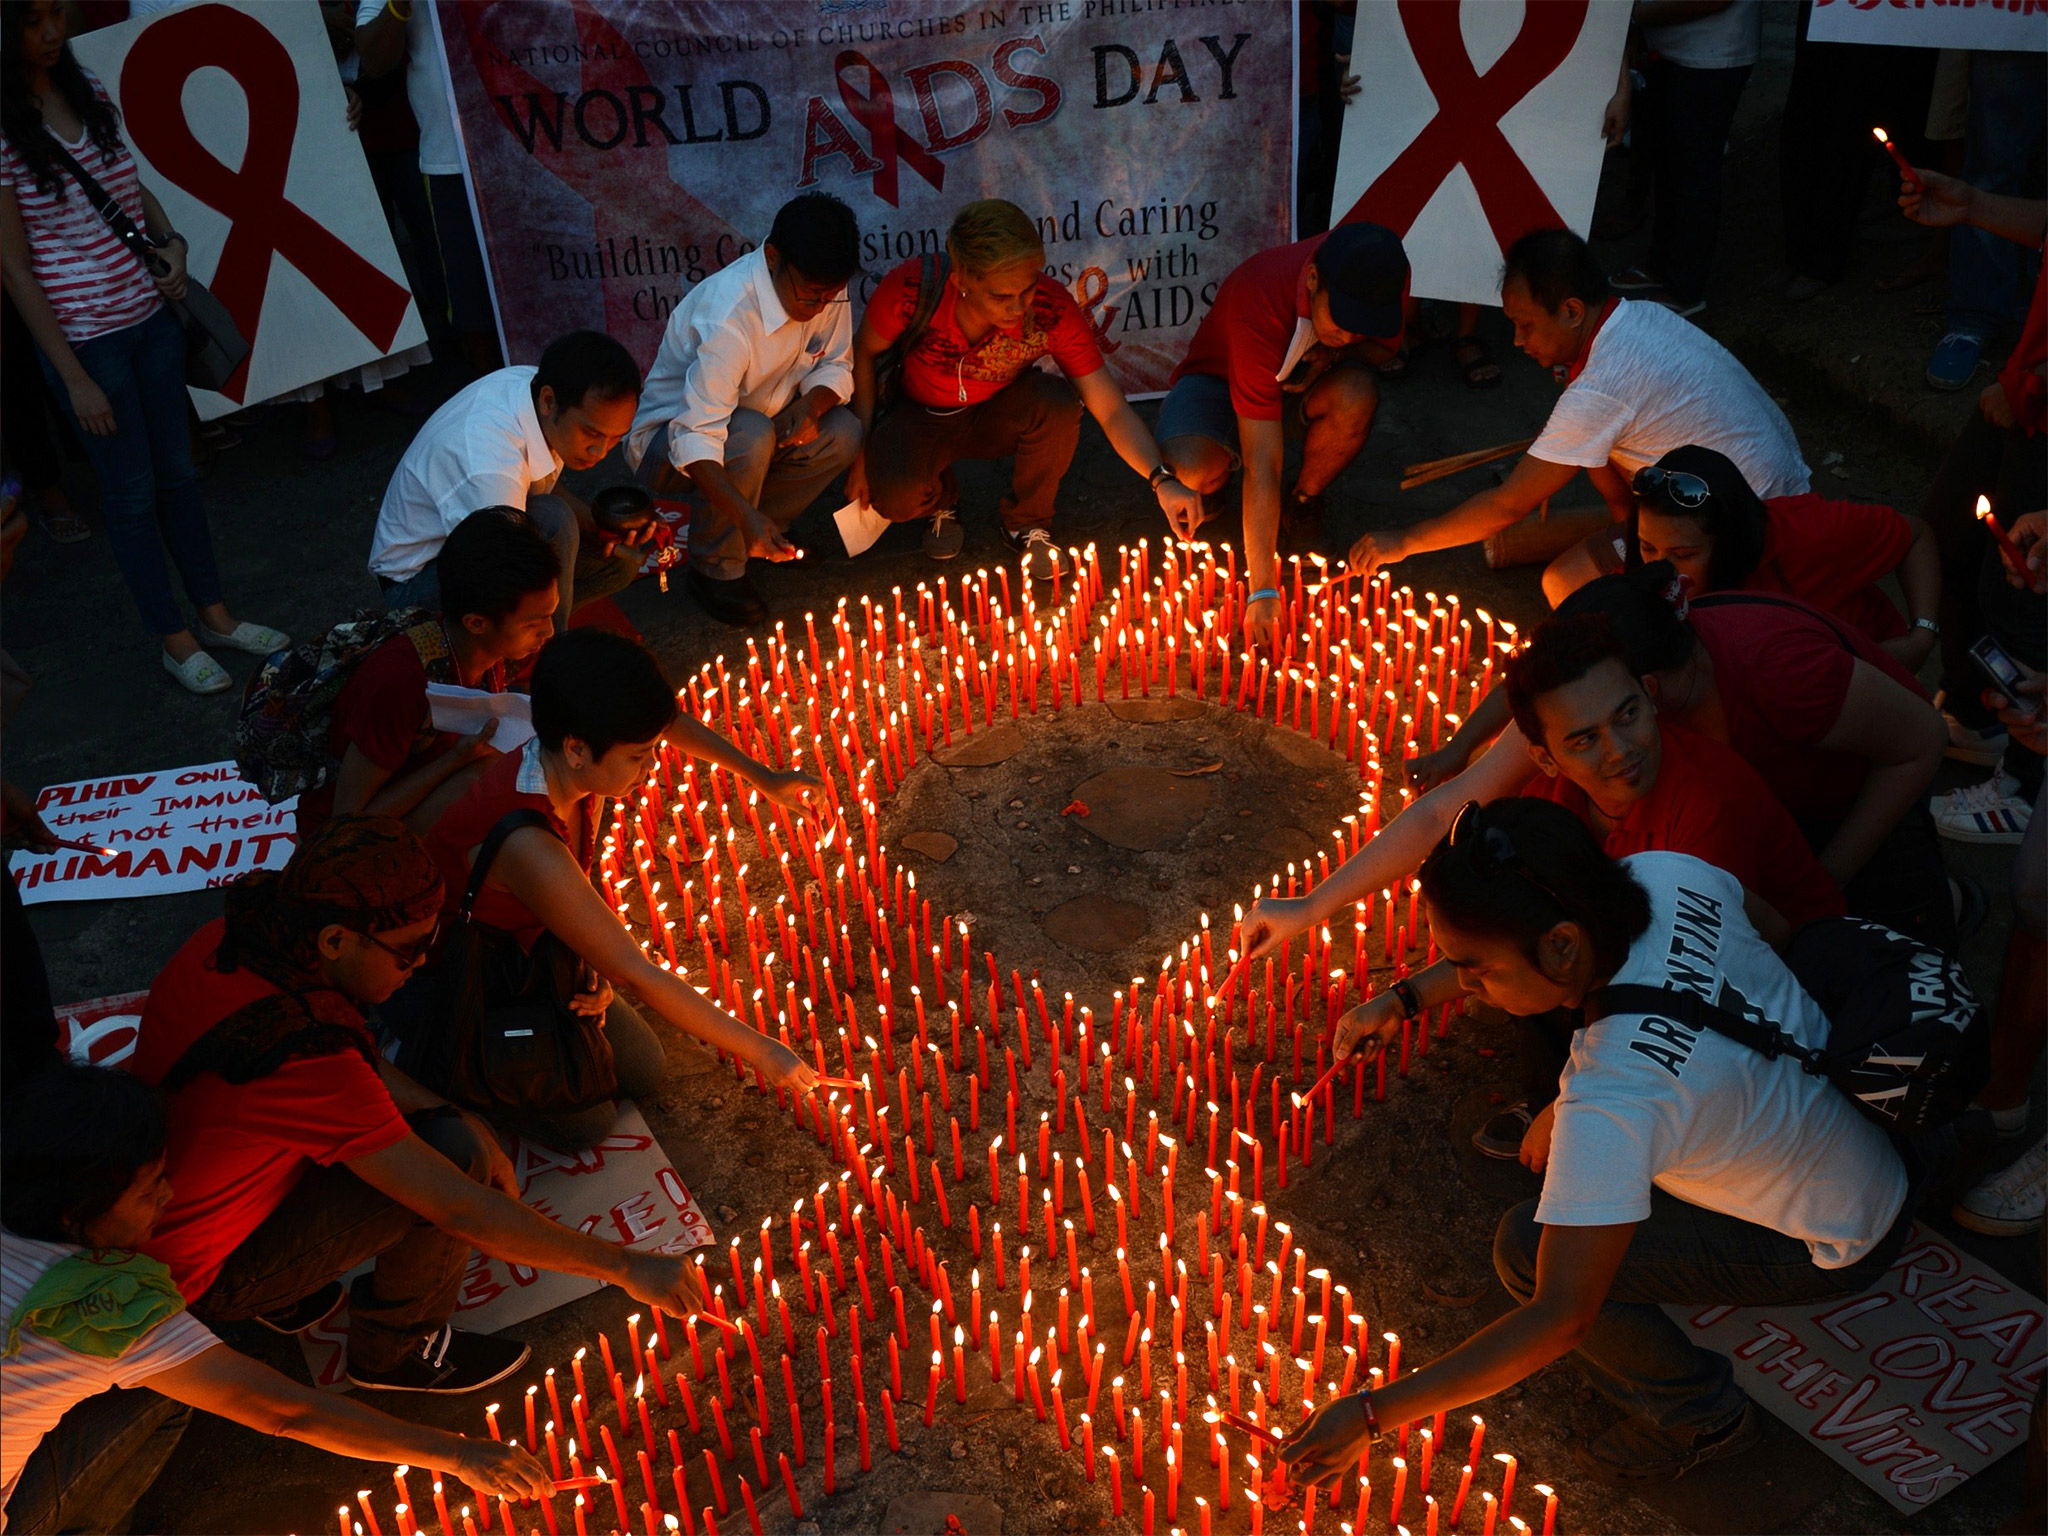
pixel 992 234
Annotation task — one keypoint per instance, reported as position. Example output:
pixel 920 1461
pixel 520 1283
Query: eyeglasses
pixel 405 959
pixel 1492 850
pixel 1674 486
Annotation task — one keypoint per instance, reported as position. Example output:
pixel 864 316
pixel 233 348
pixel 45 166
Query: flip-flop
pixel 65 527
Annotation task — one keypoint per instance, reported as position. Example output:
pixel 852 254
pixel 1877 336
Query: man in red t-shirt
pixel 296 1152
pixel 965 386
pixel 1292 331
pixel 499 592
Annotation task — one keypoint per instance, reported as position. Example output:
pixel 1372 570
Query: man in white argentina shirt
pixel 745 403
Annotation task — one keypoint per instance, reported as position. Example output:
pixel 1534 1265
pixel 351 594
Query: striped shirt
pixel 92 280
pixel 44 1380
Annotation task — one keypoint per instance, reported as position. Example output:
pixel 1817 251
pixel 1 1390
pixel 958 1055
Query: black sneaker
pixel 1501 1136
pixel 447 1362
pixel 733 602
pixel 305 1312
pixel 1635 1451
pixel 1041 557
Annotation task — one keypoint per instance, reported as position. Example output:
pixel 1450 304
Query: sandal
pixel 1475 360
pixel 1396 367
pixel 64 526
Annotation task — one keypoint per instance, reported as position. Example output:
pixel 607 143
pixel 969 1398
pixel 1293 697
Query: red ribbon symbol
pixel 262 221
pixel 1466 128
pixel 876 112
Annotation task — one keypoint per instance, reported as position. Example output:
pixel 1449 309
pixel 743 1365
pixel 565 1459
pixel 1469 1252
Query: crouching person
pixel 296 1152
pixel 103 1364
pixel 1681 1167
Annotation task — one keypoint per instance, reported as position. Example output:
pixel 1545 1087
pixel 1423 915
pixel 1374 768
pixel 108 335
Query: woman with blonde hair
pixel 942 371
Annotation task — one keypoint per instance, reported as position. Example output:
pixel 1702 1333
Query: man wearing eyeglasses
pixel 296 1151
pixel 745 403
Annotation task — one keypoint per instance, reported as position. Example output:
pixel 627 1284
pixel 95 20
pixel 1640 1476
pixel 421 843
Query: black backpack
pixel 1907 1041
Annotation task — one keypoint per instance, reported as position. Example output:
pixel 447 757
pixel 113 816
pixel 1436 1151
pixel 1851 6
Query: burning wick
pixel 1905 169
pixel 2005 543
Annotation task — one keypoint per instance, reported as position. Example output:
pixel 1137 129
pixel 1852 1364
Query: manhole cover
pixel 1142 808
pixel 1099 924
pixel 925 1514
pixel 1289 843
pixel 1149 711
pixel 1302 752
pixel 984 749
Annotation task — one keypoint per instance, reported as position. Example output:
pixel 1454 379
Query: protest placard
pixel 623 1190
pixel 2009 26
pixel 1915 1386
pixel 622 151
pixel 235 113
pixel 1476 123
pixel 176 829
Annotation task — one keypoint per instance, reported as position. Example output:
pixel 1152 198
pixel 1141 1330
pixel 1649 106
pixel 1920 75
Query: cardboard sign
pixel 1477 122
pixel 623 1190
pixel 102 1031
pixel 236 117
pixel 179 829
pixel 621 151
pixel 1915 1386
pixel 2012 26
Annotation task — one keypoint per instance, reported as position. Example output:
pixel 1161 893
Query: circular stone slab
pixel 936 846
pixel 1142 808
pixel 1294 747
pixel 1149 711
pixel 1098 924
pixel 984 749
pixel 1289 843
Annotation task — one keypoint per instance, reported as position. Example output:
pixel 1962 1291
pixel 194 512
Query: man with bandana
pixel 296 1152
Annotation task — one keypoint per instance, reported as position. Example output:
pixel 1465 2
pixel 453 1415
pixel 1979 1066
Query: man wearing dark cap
pixel 1289 342
pixel 296 1152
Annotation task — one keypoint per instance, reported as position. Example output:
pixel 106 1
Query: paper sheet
pixel 464 711
pixel 860 526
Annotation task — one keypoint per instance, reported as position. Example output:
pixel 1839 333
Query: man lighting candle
pixel 1684 1167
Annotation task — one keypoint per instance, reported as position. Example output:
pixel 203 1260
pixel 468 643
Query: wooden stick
pixel 1437 469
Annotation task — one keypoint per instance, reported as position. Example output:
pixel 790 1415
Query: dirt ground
pixel 1400 1210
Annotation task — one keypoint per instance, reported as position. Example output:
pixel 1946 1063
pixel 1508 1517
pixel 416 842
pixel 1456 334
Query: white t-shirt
pixel 1654 382
pixel 729 344
pixel 483 448
pixel 426 90
pixel 44 1381
pixel 1728 39
pixel 1644 1101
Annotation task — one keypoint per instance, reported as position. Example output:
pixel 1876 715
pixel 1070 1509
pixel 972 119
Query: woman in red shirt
pixel 1694 509
pixel 601 710
pixel 966 388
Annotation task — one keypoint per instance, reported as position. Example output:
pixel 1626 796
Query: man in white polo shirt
pixel 1640 382
pixel 504 442
pixel 745 402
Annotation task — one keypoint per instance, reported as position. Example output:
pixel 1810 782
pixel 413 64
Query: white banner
pixel 148 834
pixel 1477 122
pixel 2012 26
pixel 236 117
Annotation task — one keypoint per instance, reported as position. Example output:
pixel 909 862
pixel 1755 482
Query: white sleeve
pixel 178 1338
pixel 711 393
pixel 1583 428
pixel 485 488
pixel 1601 1163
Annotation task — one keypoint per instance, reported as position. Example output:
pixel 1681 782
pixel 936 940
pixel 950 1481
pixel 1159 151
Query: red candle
pixel 1905 167
pixel 2006 546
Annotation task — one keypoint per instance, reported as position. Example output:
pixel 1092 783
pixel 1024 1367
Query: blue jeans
pixel 1989 279
pixel 1635 1354
pixel 88 1472
pixel 149 491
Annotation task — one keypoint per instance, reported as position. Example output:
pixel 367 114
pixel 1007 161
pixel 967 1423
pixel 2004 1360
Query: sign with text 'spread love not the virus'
pixel 623 151
pixel 1478 121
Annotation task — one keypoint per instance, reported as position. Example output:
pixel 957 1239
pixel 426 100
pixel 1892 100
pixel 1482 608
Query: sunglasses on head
pixel 410 955
pixel 1491 850
pixel 1673 486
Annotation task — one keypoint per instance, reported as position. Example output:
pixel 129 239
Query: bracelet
pixel 1411 1000
pixel 1263 593
pixel 391 6
pixel 1372 1419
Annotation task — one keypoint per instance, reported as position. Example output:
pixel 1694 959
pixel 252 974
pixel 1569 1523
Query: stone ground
pixel 1401 1211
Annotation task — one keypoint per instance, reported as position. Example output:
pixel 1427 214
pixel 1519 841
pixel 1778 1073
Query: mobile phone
pixel 2006 674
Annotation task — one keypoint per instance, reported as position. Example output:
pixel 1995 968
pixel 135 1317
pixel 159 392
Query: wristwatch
pixel 1160 476
pixel 1411 1000
pixel 1932 626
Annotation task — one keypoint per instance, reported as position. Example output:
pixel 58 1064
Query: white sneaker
pixel 1041 556
pixel 1967 744
pixel 199 672
pixel 2009 1203
pixel 1991 812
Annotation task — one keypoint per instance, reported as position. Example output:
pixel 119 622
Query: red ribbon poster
pixel 236 116
pixel 621 151
pixel 1479 121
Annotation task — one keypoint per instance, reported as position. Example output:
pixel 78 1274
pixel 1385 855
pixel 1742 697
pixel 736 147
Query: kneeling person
pixel 1683 1167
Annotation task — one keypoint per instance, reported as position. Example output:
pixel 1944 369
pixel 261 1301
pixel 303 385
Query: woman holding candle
pixel 81 1186
pixel 1684 1167
pixel 601 711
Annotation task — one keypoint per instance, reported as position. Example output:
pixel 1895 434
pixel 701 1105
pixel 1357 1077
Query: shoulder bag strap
pixel 931 287
pixel 487 851
pixel 1696 1013
pixel 1765 600
pixel 107 208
